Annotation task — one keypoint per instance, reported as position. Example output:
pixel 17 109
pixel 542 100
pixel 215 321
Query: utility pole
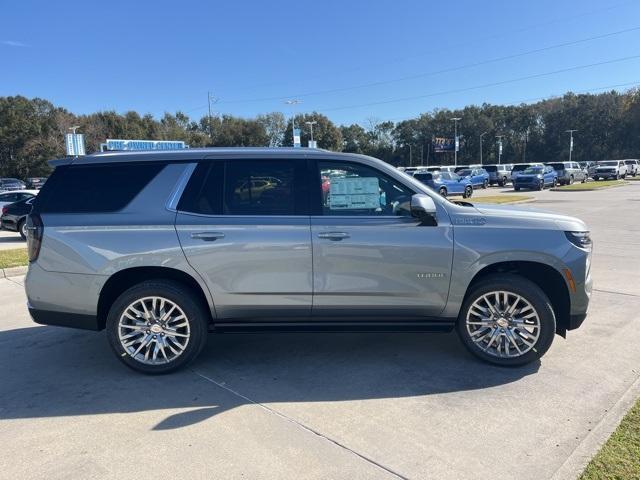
pixel 481 135
pixel 293 102
pixel 312 144
pixel 211 98
pixel 499 137
pixel 526 141
pixel 455 121
pixel 570 132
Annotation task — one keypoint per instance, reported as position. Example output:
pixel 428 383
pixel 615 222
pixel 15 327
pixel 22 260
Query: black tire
pixel 485 184
pixel 527 290
pixel 22 226
pixel 541 185
pixel 554 183
pixel 595 179
pixel 468 192
pixel 517 189
pixel 504 181
pixel 443 191
pixel 195 312
pixel 571 180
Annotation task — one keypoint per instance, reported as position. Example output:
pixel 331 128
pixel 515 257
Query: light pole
pixel 293 102
pixel 211 98
pixel 481 135
pixel 570 132
pixel 311 124
pixel 74 128
pixel 410 159
pixel 499 137
pixel 455 121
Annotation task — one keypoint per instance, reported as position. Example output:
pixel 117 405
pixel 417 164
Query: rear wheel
pixel 22 228
pixel 506 320
pixel 485 184
pixel 571 180
pixel 157 326
pixel 517 189
pixel 443 191
pixel 596 178
pixel 468 192
pixel 541 185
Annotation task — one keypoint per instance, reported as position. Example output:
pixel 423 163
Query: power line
pixel 500 34
pixel 476 87
pixel 532 99
pixel 436 72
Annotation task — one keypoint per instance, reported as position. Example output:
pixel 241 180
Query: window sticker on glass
pixel 354 193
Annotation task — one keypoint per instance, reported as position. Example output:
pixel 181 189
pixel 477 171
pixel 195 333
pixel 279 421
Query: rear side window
pixel 94 188
pixel 248 187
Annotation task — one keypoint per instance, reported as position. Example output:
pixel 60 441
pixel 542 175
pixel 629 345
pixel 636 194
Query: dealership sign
pixel 127 145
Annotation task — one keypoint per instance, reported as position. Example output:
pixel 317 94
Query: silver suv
pixel 568 172
pixel 159 248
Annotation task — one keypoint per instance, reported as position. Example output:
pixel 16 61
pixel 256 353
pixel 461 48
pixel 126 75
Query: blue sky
pixel 348 59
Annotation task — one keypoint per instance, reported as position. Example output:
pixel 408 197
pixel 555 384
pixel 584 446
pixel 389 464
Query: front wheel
pixel 506 320
pixel 157 326
pixel 571 180
pixel 541 185
pixel 485 184
pixel 517 189
pixel 468 192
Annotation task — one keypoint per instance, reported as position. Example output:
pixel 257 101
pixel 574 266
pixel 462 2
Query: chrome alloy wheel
pixel 154 330
pixel 503 324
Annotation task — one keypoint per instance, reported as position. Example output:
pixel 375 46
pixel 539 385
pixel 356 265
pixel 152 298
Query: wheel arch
pixel 122 280
pixel 549 279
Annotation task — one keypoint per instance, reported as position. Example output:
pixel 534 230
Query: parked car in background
pixel 518 168
pixel 10 197
pixel 478 177
pixel 498 174
pixel 568 172
pixel 10 184
pixel 35 183
pixel 14 216
pixel 633 167
pixel 609 169
pixel 445 183
pixel 536 178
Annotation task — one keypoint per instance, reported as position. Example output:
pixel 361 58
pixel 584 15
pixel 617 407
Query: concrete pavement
pixel 332 405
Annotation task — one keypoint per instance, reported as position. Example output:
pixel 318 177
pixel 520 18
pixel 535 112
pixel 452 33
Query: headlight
pixel 579 239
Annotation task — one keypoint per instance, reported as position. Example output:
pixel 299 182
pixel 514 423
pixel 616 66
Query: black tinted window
pixel 94 188
pixel 204 191
pixel 248 187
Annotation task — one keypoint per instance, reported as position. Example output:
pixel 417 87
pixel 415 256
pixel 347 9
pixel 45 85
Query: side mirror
pixel 422 205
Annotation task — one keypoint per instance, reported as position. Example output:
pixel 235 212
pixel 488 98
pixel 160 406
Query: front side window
pixel 354 189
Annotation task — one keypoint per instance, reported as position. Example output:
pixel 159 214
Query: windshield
pixel 533 170
pixel 464 172
pixel 608 163
pixel 556 166
pixel 450 176
pixel 491 168
pixel 519 168
pixel 630 162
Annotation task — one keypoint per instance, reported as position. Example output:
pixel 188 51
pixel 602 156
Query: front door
pixel 370 257
pixel 244 227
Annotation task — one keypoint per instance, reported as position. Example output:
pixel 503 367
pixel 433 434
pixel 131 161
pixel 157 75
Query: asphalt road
pixel 10 240
pixel 331 405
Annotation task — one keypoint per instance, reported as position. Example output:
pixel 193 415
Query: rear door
pixel 371 258
pixel 244 227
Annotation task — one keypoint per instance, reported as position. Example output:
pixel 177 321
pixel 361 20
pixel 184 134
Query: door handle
pixel 207 236
pixel 335 236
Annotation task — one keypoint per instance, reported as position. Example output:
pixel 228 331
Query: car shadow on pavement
pixel 52 372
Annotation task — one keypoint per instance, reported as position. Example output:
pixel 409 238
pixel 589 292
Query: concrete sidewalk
pixel 331 405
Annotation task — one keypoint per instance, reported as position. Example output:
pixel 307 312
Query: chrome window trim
pixel 178 190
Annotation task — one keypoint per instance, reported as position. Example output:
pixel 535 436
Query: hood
pixel 531 218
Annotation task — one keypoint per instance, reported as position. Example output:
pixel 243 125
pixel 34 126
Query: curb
pixel 13 271
pixel 588 189
pixel 590 445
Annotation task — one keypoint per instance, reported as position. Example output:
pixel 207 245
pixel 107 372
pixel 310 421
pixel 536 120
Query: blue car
pixel 536 178
pixel 478 177
pixel 446 183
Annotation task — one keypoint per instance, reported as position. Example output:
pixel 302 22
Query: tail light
pixel 35 230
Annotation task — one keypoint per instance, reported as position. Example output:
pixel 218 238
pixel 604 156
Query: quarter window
pixel 354 189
